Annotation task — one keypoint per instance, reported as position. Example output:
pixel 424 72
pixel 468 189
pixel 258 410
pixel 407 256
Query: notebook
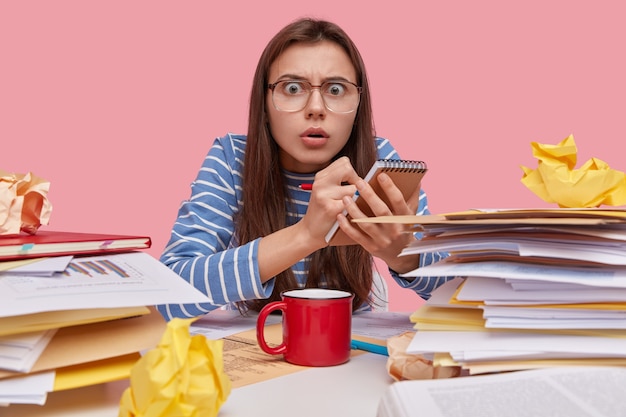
pixel 406 174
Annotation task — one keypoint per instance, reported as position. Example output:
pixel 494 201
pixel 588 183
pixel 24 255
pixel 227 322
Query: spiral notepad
pixel 406 174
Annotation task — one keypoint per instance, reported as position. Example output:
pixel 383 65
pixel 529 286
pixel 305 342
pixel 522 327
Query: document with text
pixel 107 281
pixel 569 391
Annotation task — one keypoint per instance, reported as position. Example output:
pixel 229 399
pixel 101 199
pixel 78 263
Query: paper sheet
pixel 602 276
pixel 97 341
pixel 27 389
pixel 557 342
pixel 7 265
pixel 65 318
pixel 45 267
pixel 572 392
pixel 380 325
pixel 497 291
pixel 20 352
pixel 126 279
pixel 97 372
pixel 245 362
pixel 219 324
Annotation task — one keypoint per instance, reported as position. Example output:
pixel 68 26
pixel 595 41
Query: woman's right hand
pixel 281 249
pixel 330 187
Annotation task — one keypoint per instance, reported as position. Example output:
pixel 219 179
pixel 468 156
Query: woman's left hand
pixel 382 240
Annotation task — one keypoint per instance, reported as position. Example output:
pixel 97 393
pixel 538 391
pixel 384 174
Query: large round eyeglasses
pixel 293 95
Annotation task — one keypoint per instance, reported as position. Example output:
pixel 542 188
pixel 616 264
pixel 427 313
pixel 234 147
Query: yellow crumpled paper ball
pixel 182 376
pixel 24 204
pixel 557 181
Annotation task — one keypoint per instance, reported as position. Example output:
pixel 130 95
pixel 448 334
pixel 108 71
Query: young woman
pixel 249 231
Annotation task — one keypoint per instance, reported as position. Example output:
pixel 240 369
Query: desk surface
pixel 351 389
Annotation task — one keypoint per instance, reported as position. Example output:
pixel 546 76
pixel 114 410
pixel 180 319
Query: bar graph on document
pixel 84 274
pixel 126 279
pixel 95 268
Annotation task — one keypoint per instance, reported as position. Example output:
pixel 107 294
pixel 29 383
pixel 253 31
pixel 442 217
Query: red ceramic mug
pixel 317 326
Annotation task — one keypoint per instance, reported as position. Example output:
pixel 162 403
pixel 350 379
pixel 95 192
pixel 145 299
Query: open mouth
pixel 314 141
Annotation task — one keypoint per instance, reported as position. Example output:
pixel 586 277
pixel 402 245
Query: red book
pixel 51 243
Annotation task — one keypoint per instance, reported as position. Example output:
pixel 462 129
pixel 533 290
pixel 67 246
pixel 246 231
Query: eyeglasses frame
pixel 272 86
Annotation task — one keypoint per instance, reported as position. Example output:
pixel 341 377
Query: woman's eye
pixel 293 87
pixel 335 89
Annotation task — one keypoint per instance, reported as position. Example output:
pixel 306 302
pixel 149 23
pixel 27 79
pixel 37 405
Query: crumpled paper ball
pixel 24 204
pixel 182 376
pixel 557 181
pixel 409 366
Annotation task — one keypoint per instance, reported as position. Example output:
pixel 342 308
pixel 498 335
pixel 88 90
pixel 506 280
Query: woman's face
pixel 309 138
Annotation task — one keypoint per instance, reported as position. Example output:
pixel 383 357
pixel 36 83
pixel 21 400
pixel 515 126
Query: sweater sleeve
pixel 423 286
pixel 202 248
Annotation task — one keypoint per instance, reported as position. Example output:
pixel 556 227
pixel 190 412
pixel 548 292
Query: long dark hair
pixel 264 192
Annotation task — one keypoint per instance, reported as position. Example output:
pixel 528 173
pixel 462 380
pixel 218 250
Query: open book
pixel 566 391
pixel 407 176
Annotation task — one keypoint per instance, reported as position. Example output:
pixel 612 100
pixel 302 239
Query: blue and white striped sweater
pixel 203 249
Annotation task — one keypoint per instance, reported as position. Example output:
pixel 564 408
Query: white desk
pixel 352 389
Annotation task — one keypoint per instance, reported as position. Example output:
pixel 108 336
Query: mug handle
pixel 260 327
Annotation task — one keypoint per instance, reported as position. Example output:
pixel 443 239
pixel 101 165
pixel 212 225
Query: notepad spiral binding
pixel 402 165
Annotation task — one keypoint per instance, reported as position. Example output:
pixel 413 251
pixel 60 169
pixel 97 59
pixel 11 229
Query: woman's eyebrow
pixel 301 78
pixel 291 77
pixel 337 78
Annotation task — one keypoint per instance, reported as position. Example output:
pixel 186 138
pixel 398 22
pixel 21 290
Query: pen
pixel 309 187
pixel 369 347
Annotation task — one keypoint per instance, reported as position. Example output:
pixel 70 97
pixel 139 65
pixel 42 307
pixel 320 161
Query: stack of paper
pixel 70 321
pixel 536 288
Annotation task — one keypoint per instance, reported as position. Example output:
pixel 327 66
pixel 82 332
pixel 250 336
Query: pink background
pixel 116 102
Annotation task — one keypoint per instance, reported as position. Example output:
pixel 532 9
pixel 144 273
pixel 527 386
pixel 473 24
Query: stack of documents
pixel 70 321
pixel 535 288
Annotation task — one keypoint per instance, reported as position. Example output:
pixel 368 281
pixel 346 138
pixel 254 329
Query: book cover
pixel 57 243
pixel 406 175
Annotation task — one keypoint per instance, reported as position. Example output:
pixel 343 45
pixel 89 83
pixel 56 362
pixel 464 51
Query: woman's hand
pixel 385 241
pixel 308 235
pixel 331 186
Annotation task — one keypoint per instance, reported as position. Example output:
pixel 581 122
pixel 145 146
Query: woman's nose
pixel 316 105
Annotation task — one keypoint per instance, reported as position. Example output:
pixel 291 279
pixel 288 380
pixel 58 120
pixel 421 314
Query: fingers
pixel 339 171
pixel 330 186
pixel 388 201
pixel 335 182
pixel 413 201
